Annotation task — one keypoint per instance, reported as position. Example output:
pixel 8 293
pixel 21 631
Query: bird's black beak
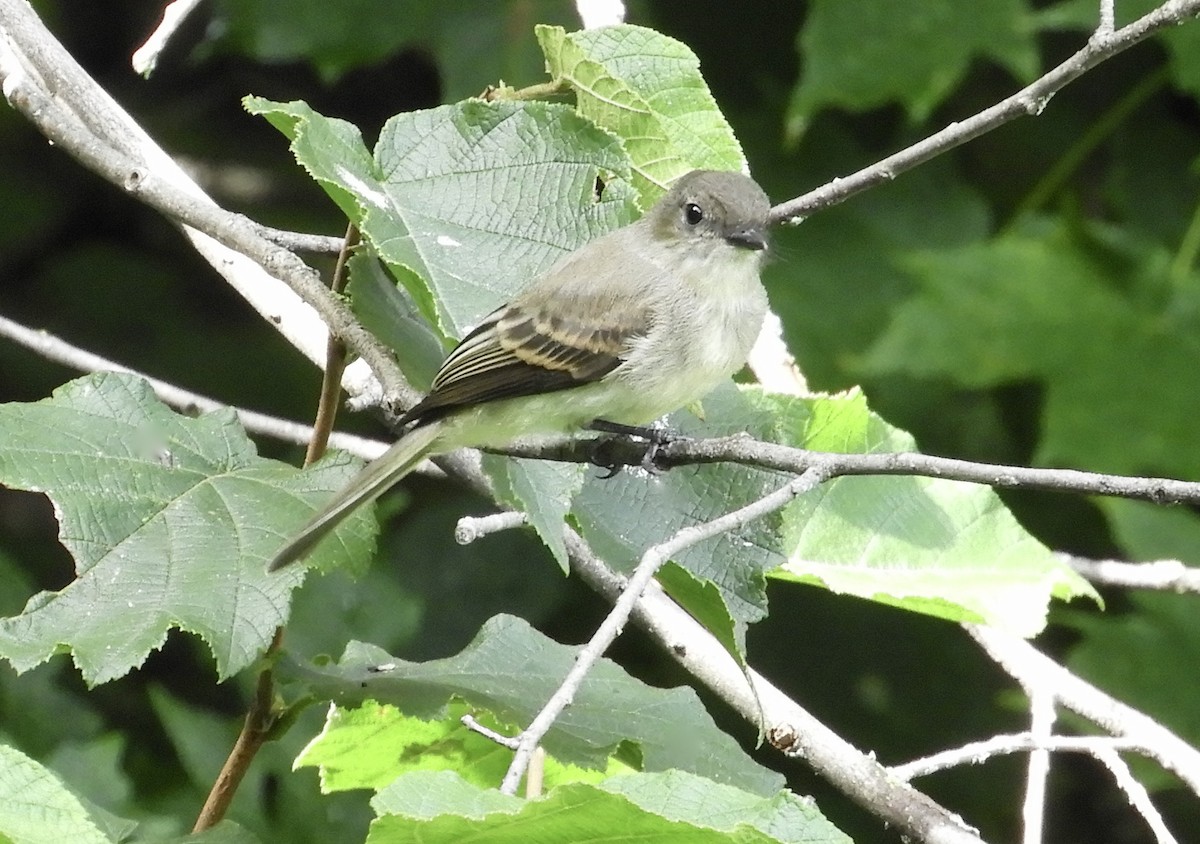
pixel 748 238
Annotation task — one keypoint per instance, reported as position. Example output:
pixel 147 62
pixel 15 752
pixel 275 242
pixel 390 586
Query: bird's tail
pixel 374 479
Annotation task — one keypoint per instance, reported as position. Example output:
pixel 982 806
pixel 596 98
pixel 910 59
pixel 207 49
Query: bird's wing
pixel 532 347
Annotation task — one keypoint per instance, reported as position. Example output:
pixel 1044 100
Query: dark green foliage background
pixel 1029 298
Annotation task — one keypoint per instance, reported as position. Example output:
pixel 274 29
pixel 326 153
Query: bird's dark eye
pixel 693 213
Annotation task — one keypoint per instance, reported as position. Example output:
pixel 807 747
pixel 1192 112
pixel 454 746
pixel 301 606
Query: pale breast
pixel 701 337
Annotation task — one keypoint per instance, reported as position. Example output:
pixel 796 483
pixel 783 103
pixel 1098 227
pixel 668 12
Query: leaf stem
pixel 256 729
pixel 335 362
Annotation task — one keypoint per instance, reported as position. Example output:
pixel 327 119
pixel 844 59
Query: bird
pixel 630 326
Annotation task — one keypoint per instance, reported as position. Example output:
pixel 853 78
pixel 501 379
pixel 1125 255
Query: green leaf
pixel 371 745
pixel 542 490
pixel 704 602
pixel 945 548
pixel 647 89
pixel 467 203
pixel 170 519
pixel 860 54
pixel 93 771
pixel 1089 313
pixel 331 150
pixel 669 807
pixel 36 808
pixel 510 670
pixel 200 738
pixel 837 283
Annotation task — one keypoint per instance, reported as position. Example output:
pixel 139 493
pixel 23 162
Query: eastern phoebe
pixel 625 329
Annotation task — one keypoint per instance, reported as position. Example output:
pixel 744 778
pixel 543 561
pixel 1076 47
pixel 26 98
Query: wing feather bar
pixel 519 351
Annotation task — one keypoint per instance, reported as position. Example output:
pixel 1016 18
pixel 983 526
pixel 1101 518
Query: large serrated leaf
pixel 170 519
pixel 510 670
pixel 647 89
pixel 426 794
pixel 467 203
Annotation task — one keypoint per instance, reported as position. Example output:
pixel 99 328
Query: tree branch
pixel 1030 100
pixel 145 57
pixel 747 451
pixel 1139 798
pixel 1042 716
pixel 978 752
pixel 1165 575
pixel 1032 669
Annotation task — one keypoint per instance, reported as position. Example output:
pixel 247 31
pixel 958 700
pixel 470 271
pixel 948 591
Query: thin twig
pixel 1032 668
pixel 145 57
pixel 1165 575
pixel 652 560
pixel 256 728
pixel 472 724
pixel 302 242
pixel 1138 797
pixel 1037 770
pixel 536 776
pixel 335 361
pixel 471 528
pixel 978 752
pixel 537 91
pixel 1030 100
pixel 1108 19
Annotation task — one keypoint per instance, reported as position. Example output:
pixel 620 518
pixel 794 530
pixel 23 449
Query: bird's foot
pixel 603 456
